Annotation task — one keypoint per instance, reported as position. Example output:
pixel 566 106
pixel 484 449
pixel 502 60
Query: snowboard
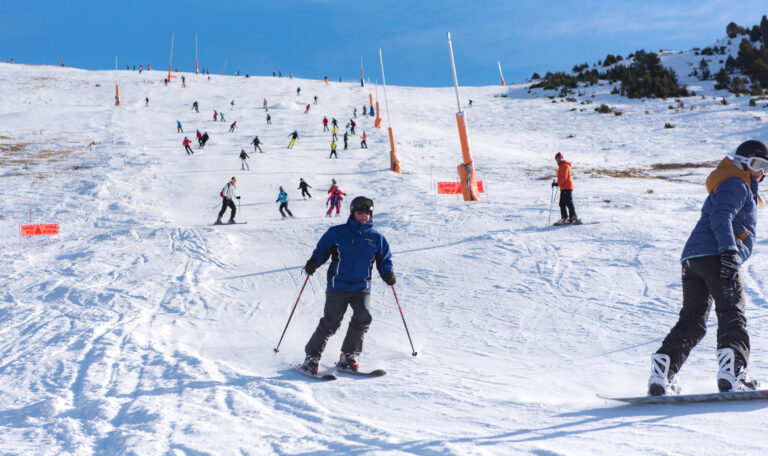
pixel 326 377
pixel 691 398
pixel 373 373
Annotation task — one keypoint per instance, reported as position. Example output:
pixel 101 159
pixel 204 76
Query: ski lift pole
pixel 413 350
pixel 277 349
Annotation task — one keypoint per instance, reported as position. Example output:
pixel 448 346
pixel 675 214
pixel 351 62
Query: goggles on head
pixel 757 164
pixel 363 205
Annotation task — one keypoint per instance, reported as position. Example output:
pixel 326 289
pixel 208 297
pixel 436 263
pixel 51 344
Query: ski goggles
pixel 757 164
pixel 363 205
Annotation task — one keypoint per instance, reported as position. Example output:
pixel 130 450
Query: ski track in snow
pixel 146 330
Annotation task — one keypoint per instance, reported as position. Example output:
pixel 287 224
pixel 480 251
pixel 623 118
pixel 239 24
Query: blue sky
pixel 314 38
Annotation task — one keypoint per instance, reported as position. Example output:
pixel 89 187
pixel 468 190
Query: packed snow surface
pixel 143 329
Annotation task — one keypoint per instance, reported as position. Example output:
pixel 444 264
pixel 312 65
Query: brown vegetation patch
pixel 18 157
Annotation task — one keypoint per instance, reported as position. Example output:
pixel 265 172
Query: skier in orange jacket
pixel 565 182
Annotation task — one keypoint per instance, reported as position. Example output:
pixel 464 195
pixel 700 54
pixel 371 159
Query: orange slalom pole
pixel 394 163
pixel 377 123
pixel 466 169
pixel 117 95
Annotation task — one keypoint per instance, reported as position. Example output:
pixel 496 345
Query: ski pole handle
pixel 413 350
pixel 277 349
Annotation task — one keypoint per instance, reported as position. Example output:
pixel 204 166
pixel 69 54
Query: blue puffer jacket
pixel 282 197
pixel 353 248
pixel 729 215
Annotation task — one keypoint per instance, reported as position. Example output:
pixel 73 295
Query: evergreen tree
pixel 704 72
pixel 722 79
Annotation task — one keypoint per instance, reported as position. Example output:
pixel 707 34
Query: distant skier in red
pixel 335 199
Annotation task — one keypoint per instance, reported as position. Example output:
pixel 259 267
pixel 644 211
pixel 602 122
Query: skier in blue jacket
pixel 353 247
pixel 720 242
pixel 282 198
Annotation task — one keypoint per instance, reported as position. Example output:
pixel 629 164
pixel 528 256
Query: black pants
pixel 305 192
pixel 335 306
pixel 227 202
pixel 702 285
pixel 189 151
pixel 285 206
pixel 333 152
pixel 566 202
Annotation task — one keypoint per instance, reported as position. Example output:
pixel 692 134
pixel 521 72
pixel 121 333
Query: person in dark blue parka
pixel 354 248
pixel 720 242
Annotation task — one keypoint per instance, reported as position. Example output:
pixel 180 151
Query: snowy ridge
pixel 145 330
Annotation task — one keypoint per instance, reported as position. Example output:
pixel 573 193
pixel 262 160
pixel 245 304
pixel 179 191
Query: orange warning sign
pixel 454 188
pixel 39 230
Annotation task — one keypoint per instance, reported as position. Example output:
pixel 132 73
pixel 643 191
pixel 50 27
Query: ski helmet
pixel 753 148
pixel 558 156
pixel 361 203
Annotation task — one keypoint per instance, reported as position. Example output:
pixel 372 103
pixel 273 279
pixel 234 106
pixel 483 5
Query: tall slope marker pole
pixel 117 87
pixel 171 61
pixel 394 163
pixel 362 82
pixel 501 74
pixel 196 71
pixel 466 169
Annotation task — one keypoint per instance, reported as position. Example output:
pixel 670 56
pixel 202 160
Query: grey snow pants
pixel 335 306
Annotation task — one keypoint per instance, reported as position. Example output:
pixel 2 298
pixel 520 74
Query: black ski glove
pixel 311 266
pixel 729 264
pixel 554 183
pixel 388 277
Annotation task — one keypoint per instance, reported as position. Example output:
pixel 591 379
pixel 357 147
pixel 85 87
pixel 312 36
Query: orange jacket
pixel 564 179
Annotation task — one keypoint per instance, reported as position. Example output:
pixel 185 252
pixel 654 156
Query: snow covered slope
pixel 145 330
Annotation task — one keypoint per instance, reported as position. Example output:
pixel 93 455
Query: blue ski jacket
pixel 353 249
pixel 729 215
pixel 282 197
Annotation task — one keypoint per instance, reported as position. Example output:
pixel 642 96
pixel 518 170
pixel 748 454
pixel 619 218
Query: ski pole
pixel 404 324
pixel 551 203
pixel 238 206
pixel 277 349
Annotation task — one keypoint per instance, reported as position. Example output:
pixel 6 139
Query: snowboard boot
pixel 660 384
pixel 731 378
pixel 348 361
pixel 311 363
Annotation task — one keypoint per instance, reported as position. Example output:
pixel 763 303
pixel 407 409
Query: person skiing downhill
pixel 333 149
pixel 269 119
pixel 282 198
pixel 228 193
pixel 199 137
pixel 334 132
pixel 294 136
pixel 178 127
pixel 364 142
pixel 565 182
pixel 232 127
pixel 221 116
pixel 306 111
pixel 325 123
pixel 256 141
pixel 243 163
pixel 335 199
pixel 215 115
pixel 353 248
pixel 346 138
pixel 186 143
pixel 204 139
pixel 196 107
pixel 719 244
pixel 304 186
pixel 298 91
pixel 365 110
pixel 352 125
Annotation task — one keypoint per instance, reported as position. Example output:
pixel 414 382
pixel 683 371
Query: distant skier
pixel 470 102
pixel 335 122
pixel 146 102
pixel 354 248
pixel 719 244
pixel 306 111
pixel 243 163
pixel 199 138
pixel 282 198
pixel 565 182
pixel 352 126
pixel 335 199
pixel 346 136
pixel 196 107
pixel 221 116
pixel 269 119
pixel 204 139
pixel 186 143
pixel 294 136
pixel 178 127
pixel 215 115
pixel 183 81
pixel 304 188
pixel 228 193
pixel 256 141
pixel 315 102
pixel 365 112
pixel 333 149
pixel 266 107
pixel 325 123
pixel 364 142
pixel 232 105
pixel 334 132
pixel 232 127
pixel 298 91
pixel 354 112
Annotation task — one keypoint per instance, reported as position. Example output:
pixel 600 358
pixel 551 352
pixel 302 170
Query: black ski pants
pixel 336 303
pixel 225 203
pixel 188 149
pixel 566 202
pixel 305 192
pixel 284 206
pixel 333 152
pixel 701 286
